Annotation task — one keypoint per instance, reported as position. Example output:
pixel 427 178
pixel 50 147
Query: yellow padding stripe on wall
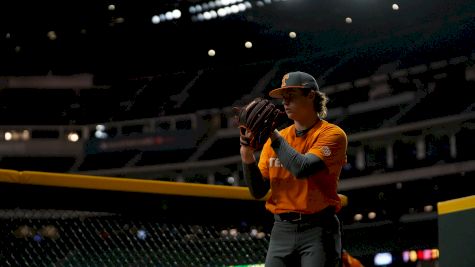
pixel 454 205
pixel 130 185
pixel 124 184
pixel 10 176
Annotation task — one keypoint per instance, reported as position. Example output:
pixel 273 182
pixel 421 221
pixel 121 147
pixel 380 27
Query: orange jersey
pixel 312 194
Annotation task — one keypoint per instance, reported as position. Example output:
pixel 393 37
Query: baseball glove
pixel 256 121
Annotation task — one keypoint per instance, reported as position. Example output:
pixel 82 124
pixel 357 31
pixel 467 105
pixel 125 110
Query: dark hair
pixel 319 103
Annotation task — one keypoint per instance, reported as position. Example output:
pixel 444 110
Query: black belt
pixel 297 216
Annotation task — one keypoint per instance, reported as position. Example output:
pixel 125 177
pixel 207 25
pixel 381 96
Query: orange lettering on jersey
pixel 284 80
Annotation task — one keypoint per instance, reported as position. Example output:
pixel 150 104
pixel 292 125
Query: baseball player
pixel 300 166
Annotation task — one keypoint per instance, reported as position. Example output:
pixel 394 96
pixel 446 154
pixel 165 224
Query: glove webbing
pixel 259 115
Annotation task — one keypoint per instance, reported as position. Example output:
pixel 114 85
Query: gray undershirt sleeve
pixel 258 186
pixel 300 165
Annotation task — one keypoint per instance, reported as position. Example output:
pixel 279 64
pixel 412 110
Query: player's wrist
pixel 247 154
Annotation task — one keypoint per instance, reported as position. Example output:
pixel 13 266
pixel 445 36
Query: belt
pixel 297 216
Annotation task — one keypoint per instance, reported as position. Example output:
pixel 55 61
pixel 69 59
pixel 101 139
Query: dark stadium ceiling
pixel 118 37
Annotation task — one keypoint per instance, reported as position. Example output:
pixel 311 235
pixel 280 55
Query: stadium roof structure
pixel 113 38
pixel 165 45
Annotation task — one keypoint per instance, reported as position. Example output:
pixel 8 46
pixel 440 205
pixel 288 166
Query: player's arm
pixel 300 165
pixel 258 185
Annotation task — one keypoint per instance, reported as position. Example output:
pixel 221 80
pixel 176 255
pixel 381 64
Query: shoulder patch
pixel 326 151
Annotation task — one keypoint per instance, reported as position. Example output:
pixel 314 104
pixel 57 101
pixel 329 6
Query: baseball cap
pixel 296 79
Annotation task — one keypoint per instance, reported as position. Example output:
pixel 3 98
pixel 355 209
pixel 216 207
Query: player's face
pixel 297 105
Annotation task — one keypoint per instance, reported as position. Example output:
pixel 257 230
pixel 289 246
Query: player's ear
pixel 311 94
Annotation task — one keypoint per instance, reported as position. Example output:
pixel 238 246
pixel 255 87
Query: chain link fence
pixel 81 238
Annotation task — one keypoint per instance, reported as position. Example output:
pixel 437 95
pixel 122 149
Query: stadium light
pixel 428 208
pixel 8 136
pixel 15 135
pixel 73 137
pixel 383 259
pixel 156 19
pixel 169 15
pixel 100 132
pixel 372 215
pixel 25 135
pixel 218 8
